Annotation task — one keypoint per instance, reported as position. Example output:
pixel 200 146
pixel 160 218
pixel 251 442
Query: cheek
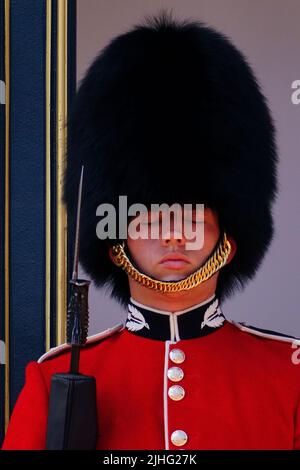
pixel 141 251
pixel 211 236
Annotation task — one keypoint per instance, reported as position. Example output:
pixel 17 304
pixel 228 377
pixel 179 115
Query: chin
pixel 172 277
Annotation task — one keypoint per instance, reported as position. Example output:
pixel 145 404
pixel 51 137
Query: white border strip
pixel 286 339
pixel 90 339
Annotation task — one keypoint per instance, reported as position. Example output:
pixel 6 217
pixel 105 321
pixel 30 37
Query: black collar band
pixel 199 320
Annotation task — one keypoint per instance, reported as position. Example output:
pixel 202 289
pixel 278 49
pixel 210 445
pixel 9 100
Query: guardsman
pixel 170 113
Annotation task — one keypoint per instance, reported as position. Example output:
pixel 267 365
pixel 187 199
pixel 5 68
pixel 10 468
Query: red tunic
pixel 241 391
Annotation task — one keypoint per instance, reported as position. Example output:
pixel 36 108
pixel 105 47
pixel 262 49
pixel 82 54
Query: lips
pixel 174 258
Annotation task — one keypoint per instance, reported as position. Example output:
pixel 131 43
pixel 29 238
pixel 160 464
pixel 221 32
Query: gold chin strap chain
pixel 215 262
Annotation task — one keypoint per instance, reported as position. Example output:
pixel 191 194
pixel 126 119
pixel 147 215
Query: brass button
pixel 177 356
pixel 175 374
pixel 179 437
pixel 176 392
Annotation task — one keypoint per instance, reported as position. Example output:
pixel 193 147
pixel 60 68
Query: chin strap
pixel 215 262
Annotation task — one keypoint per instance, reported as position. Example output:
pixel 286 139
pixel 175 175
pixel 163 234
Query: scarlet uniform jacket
pixel 184 380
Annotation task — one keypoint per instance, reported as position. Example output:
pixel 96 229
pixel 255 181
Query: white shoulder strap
pixel 265 333
pixel 90 339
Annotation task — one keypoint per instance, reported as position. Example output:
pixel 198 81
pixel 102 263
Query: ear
pixel 233 248
pixel 110 253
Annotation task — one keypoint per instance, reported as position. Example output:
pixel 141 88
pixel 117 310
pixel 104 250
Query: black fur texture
pixel 172 112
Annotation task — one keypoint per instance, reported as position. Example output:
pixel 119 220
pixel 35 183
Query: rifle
pixel 72 414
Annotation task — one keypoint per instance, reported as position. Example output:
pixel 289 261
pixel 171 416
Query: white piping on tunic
pixel 90 339
pixel 174 330
pixel 286 339
pixel 165 393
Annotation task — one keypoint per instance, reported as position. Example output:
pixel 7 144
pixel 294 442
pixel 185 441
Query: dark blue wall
pixel 27 165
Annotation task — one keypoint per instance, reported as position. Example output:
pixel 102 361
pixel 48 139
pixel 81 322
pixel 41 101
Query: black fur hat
pixel 172 112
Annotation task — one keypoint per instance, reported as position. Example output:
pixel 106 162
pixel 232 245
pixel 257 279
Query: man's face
pixel 153 256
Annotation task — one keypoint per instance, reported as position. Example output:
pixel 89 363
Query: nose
pixel 173 234
pixel 173 239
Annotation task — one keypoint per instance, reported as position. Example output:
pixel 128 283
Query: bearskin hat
pixel 171 112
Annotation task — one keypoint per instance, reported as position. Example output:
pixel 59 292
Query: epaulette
pixel 265 333
pixel 90 339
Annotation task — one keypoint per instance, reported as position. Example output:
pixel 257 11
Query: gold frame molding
pixel 61 215
pixel 48 177
pixel 61 140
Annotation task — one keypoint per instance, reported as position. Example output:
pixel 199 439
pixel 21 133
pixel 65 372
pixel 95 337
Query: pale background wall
pixel 268 32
